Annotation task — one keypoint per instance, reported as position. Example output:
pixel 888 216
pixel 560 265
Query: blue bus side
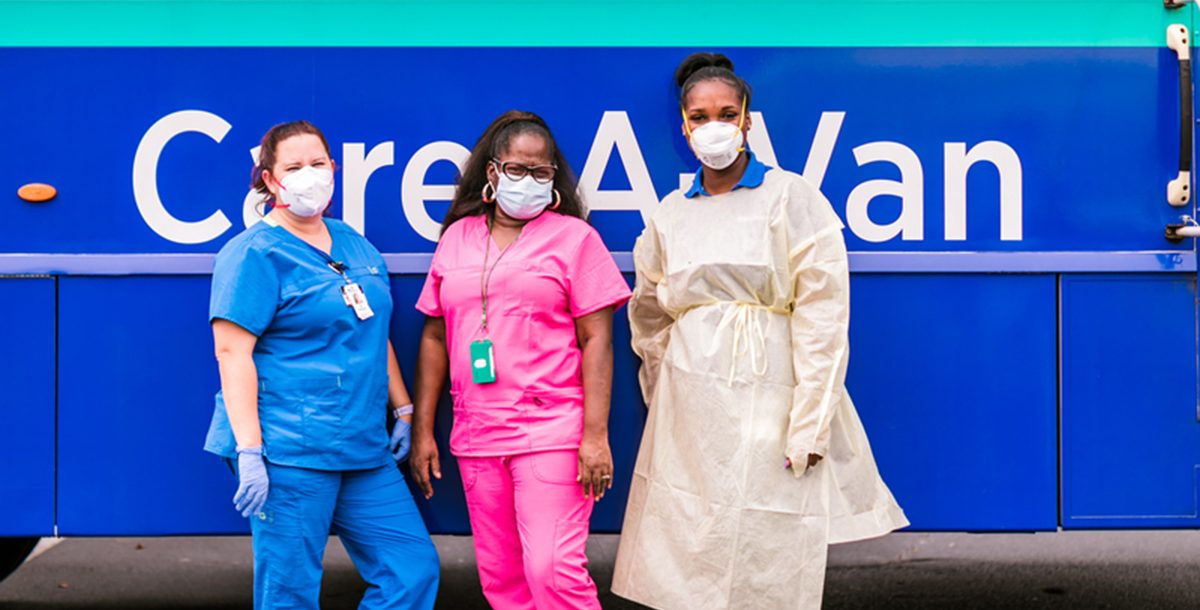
pixel 1007 382
pixel 135 394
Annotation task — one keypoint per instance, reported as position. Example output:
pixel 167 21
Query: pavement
pixel 1155 570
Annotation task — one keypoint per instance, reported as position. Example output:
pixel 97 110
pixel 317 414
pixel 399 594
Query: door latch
pixel 1186 228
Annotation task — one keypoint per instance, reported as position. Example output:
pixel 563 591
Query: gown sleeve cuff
pixel 799 461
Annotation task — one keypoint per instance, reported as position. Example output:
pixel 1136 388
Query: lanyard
pixel 340 268
pixel 337 266
pixel 486 278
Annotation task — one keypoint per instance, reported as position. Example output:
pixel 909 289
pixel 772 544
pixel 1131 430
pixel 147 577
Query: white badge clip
pixel 353 295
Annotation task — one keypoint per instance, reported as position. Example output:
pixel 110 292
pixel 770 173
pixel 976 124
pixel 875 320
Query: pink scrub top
pixel 557 270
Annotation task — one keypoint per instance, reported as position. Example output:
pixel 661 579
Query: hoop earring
pixel 488 198
pixel 557 200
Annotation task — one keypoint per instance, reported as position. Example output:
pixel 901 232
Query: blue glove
pixel 401 441
pixel 252 482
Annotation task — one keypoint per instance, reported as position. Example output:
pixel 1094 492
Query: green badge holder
pixel 483 365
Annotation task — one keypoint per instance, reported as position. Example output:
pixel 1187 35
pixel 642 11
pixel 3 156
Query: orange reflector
pixel 36 192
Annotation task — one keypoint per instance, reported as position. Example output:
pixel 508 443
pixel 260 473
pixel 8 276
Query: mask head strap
pixel 278 200
pixel 741 122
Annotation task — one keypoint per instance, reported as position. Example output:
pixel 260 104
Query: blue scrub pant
pixel 371 511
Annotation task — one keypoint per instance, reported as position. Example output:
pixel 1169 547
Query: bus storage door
pixel 1129 408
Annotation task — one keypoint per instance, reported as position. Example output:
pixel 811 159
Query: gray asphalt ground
pixel 1155 570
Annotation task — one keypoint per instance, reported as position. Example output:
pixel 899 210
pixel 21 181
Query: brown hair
pixel 267 150
pixel 468 196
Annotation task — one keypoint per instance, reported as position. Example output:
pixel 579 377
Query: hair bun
pixel 698 61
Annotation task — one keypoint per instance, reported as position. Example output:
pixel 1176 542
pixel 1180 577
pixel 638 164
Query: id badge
pixel 353 295
pixel 483 365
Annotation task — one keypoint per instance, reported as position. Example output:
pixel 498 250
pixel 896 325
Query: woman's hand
pixel 813 458
pixel 423 460
pixel 595 466
pixel 401 441
pixel 253 483
pixel 432 365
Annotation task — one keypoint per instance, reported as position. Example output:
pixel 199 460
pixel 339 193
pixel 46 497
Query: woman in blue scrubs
pixel 300 311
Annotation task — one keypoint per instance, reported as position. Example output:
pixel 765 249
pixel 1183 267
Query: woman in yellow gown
pixel 753 459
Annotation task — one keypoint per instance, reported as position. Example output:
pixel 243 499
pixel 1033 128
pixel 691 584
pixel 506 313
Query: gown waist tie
pixel 748 335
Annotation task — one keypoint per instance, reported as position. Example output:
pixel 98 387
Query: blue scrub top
pixel 322 372
pixel 756 172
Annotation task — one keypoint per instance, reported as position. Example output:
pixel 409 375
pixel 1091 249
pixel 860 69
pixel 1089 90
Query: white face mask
pixel 525 198
pixel 717 144
pixel 306 192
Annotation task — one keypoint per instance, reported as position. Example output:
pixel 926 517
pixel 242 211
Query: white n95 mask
pixel 717 144
pixel 306 192
pixel 525 198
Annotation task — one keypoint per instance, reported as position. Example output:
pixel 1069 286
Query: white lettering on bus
pixel 615 131
pixel 910 225
pixel 821 149
pixel 145 177
pixel 414 192
pixel 254 203
pixel 357 167
pixel 958 162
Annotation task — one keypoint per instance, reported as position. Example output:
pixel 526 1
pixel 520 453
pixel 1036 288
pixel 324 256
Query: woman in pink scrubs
pixel 519 303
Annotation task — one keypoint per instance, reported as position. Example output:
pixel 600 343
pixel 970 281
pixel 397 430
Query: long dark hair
pixel 468 196
pixel 699 67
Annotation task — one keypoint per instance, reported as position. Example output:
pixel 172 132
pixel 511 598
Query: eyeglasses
pixel 516 171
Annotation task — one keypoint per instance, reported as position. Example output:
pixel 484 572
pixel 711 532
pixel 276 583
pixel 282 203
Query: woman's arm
pixel 239 380
pixel 432 365
pixel 239 387
pixel 594 332
pixel 397 391
pixel 649 323
pixel 820 326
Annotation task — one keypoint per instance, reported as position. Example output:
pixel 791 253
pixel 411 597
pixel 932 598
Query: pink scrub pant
pixel 530 523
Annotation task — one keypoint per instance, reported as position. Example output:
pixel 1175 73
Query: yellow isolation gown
pixel 740 315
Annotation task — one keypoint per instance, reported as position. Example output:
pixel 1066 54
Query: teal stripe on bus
pixel 559 23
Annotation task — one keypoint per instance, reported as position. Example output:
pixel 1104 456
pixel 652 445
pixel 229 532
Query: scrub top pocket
pixel 554 419
pixel 512 332
pixel 301 416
